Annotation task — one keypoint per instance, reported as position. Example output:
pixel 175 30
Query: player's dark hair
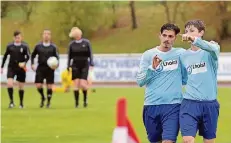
pixel 199 24
pixel 16 33
pixel 170 26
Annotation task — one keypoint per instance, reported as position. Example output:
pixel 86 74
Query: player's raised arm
pixel 212 47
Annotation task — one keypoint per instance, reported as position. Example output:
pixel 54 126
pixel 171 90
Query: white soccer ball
pixel 52 62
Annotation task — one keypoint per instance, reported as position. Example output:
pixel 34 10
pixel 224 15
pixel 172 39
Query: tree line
pixel 91 16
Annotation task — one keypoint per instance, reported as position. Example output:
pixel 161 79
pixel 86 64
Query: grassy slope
pixel 120 40
pixel 64 123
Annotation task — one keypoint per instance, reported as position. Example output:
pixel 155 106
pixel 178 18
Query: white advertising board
pixel 120 68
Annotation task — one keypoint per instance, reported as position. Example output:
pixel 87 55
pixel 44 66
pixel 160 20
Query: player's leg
pixel 21 93
pixel 10 83
pixel 21 78
pixel 190 113
pixel 152 123
pixel 76 81
pixel 84 87
pixel 170 122
pixel 10 89
pixel 49 94
pixel 208 127
pixel 39 85
pixel 50 76
pixel 76 91
pixel 84 84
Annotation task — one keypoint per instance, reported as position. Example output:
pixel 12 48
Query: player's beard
pixel 167 45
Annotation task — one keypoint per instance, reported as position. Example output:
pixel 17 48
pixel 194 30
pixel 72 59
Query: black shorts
pixel 80 73
pixel 44 73
pixel 18 72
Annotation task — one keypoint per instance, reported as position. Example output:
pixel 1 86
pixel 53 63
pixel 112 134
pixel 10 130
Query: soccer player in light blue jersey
pixel 160 71
pixel 199 108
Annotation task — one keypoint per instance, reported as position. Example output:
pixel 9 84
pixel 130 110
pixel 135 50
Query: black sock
pixel 76 93
pixel 85 96
pixel 21 94
pixel 49 95
pixel 40 90
pixel 10 93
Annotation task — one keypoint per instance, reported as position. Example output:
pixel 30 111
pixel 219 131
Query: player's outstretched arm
pixel 146 71
pixel 212 47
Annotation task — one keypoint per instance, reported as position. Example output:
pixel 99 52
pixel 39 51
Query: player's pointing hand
pixel 187 38
pixel 156 61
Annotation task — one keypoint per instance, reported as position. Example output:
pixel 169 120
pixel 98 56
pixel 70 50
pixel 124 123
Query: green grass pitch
pixel 65 124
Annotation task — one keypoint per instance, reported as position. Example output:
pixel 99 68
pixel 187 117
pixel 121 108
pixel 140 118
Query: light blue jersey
pixel 163 84
pixel 201 66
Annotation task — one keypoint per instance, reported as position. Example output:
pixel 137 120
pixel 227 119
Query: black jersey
pixel 18 53
pixel 44 52
pixel 79 52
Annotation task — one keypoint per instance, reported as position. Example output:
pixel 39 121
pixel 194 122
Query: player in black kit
pixel 19 55
pixel 44 50
pixel 80 59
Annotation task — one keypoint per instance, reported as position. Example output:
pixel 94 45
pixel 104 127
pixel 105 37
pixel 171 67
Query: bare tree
pixel 4 8
pixel 164 3
pixel 168 12
pixel 175 12
pixel 27 7
pixel 182 12
pixel 114 24
pixel 225 19
pixel 133 14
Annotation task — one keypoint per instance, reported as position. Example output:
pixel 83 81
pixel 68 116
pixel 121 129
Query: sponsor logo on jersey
pixel 168 65
pixel 197 68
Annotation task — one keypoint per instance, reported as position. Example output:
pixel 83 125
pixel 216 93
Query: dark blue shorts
pixel 161 122
pixel 199 115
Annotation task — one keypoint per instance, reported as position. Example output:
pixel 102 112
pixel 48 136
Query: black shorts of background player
pixel 44 50
pixel 19 55
pixel 79 55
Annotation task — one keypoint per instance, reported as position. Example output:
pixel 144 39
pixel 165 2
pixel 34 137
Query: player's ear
pixel 202 33
pixel 175 36
pixel 160 35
